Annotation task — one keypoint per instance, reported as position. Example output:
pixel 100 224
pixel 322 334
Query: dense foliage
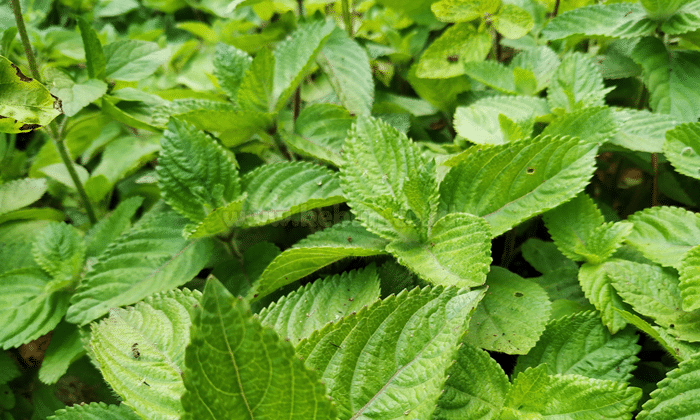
pixel 370 209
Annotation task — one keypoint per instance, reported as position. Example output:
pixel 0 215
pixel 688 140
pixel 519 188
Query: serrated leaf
pixel 577 83
pixel 441 93
pixel 459 44
pixel 597 285
pixel 641 130
pixel 195 174
pixel 66 347
pixel 239 275
pixel 544 256
pixel 512 314
pixel 95 411
pixel 689 270
pixel 221 220
pixel 109 228
pixel 20 193
pixel 132 60
pixel 664 234
pixel 25 104
pixel 580 344
pixel 347 65
pixel 393 361
pixel 59 250
pixel 254 371
pixel 675 395
pixel 572 224
pixel 604 241
pixel 230 65
pixel 141 352
pixel 320 132
pixel 295 56
pixel 541 61
pixel 575 397
pixel 479 123
pixel 476 387
pixel 594 125
pixel 94 55
pixel 537 174
pixel 256 89
pixel 513 22
pixel 456 253
pixel 347 239
pixel 682 149
pixel 493 74
pixel 656 333
pixel 279 190
pixel 464 10
pixel 662 9
pixel 670 77
pixel 685 19
pixel 298 314
pixel 74 96
pixel 624 20
pixel 150 257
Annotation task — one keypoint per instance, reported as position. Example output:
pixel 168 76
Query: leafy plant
pixel 214 211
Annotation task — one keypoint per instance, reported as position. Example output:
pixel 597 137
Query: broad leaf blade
pixel 459 44
pixel 571 224
pixel 94 56
pixel 463 10
pixel 594 125
pixel 682 149
pixel 577 83
pixel 132 60
pixel 230 65
pixel 74 96
pixel 513 22
pixel 690 279
pixel 662 9
pixel 625 20
pixel 320 131
pixel 20 193
pixel 95 411
pixel 597 285
pixel 256 90
pixel 685 19
pixel 642 130
pixel 59 250
pixel 675 395
pixel 109 228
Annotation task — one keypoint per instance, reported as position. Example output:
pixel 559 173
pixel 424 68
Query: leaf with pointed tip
pixel 94 56
pixel 662 9
pixel 656 333
pixel 456 253
pixel 689 270
pixel 219 221
pixel 132 60
pixel 347 239
pixel 685 19
pixel 542 61
pixel 624 20
pixel 513 22
pixel 279 190
pixel 255 92
pixel 604 241
pixel 74 95
pixel 641 130
pixel 320 132
pixel 393 361
pixel 674 397
pixel 577 83
pixel 493 74
pixel 20 193
pixel 109 228
pixel 512 314
pixel 682 149
pixel 141 352
pixel 257 375
pixel 463 10
pixel 459 44
pixel 594 125
pixel 95 411
pixel 298 314
pixel 230 65
pixel 538 175
pixel 597 285
pixel 60 251
pixel 65 348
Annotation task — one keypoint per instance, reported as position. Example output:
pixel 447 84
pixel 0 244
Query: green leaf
pixel 298 314
pixel 464 10
pixel 25 104
pixel 662 9
pixel 604 241
pixel 141 352
pixel 8 368
pixel 670 77
pixel 132 60
pixel 294 58
pixel 685 19
pixel 571 224
pixel 230 66
pixel 256 374
pixel 239 275
pixel 393 361
pixel 542 61
pixel 664 234
pixel 459 44
pixel 442 93
pixel 476 387
pixel 682 149
pixel 94 56
pixel 597 285
pixel 65 348
pixel 479 123
pixel 150 257
pixel 689 270
pixel 656 333
pixel 512 314
pixel 219 221
pixel 580 344
pixel 594 125
pixel 493 74
pixel 577 83
pixel 74 96
pixel 347 239
pixel 513 22
pixel 624 20
pixel 347 65
pixel 256 89
pixel 60 251
pixel 20 193
pixel 105 231
pixel 456 253
pixel 196 175
pixel 641 130
pixel 535 393
pixel 674 397
pixel 279 190
pixel 537 175
pixel 95 411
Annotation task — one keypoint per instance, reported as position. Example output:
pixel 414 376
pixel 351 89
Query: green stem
pixel 56 135
pixel 347 17
pixel 655 180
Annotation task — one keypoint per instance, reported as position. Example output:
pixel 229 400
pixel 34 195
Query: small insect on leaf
pixel 453 58
pixel 135 350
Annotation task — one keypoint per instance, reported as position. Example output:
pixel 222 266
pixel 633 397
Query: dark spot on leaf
pixel 57 104
pixel 672 326
pixel 351 299
pixel 349 239
pixel 530 171
pixel 518 294
pixel 2 116
pixel 452 58
pixel 21 76
pixel 432 244
pixel 28 127
pixel 135 350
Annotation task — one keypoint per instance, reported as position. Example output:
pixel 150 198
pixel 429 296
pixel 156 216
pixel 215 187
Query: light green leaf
pixel 196 175
pixel 58 172
pixel 493 74
pixel 132 60
pixel 25 104
pixel 20 193
pixel 685 19
pixel 393 361
pixel 537 175
pixel 95 411
pixel 512 314
pixel 94 55
pixel 571 224
pixel 604 241
pixel 298 314
pixel 641 130
pixel 257 375
pixel 513 22
pixel 456 253
pixel 219 221
pixel 441 93
pixel 59 250
pixel 689 270
pixel 141 352
pixel 577 83
pixel 542 61
pixel 580 344
pixel 150 257
pixel 623 20
pixel 662 9
pixel 597 285
pixel 464 10
pixel 675 395
pixel 594 125
pixel 109 228
pixel 230 65
pixel 479 122
pixel 256 88
pixel 574 397
pixel 294 58
pixel 671 77
pixel 65 348
pixel 657 333
pixel 682 149
pixel 74 96
pixel 347 65
pixel 664 234
pixel 347 239
pixel 279 190
pixel 459 44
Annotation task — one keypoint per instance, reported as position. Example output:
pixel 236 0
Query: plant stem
pixel 556 8
pixel 655 180
pixel 55 134
pixel 347 17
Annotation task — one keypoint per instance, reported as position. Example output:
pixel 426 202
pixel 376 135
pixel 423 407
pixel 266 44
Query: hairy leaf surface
pixel 624 20
pixel 682 149
pixel 676 395
pixel 95 411
pixel 597 285
pixel 459 44
pixel 689 270
pixel 577 83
